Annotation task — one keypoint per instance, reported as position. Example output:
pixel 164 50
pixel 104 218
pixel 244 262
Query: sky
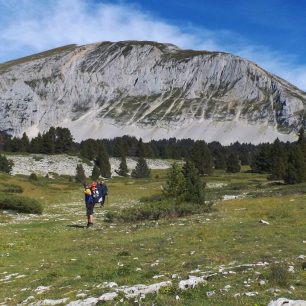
pixel 269 32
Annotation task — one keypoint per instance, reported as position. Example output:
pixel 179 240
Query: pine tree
pixel 141 170
pixel 95 173
pixel 102 162
pixel 25 143
pixel 195 188
pixel 295 172
pixel 80 174
pixel 219 160
pixel 7 143
pixel 36 144
pixel 278 161
pixel 201 157
pixel 16 144
pixel 140 149
pixel 175 183
pixel 262 160
pixel 118 149
pixel 233 164
pixel 123 169
pixel 48 142
pixel 5 164
pixel 87 149
pixel 302 142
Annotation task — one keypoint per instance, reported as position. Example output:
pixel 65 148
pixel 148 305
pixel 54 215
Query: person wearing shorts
pixel 89 205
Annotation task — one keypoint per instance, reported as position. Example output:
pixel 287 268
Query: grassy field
pixel 247 261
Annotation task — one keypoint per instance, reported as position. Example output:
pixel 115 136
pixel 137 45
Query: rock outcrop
pixel 149 90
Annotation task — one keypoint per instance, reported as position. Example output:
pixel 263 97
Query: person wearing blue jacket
pixel 103 191
pixel 89 205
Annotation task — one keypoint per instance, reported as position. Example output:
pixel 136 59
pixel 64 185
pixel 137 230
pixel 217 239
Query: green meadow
pixel 245 261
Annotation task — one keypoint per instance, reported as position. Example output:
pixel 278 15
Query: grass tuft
pixel 279 275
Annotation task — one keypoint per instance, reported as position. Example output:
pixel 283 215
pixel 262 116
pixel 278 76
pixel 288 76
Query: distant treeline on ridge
pixel 282 161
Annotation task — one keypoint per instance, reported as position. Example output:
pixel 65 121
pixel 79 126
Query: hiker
pixel 89 205
pixel 103 190
pixel 96 195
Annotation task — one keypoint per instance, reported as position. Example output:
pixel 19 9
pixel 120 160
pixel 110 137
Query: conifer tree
pixel 95 173
pixel 262 161
pixel 141 170
pixel 5 164
pixel 87 149
pixel 201 157
pixel 80 174
pixel 175 183
pixel 295 172
pixel 25 143
pixel 6 143
pixel 36 144
pixel 102 162
pixel 123 169
pixel 302 142
pixel 278 161
pixel 118 149
pixel 63 140
pixel 195 188
pixel 48 142
pixel 140 149
pixel 219 160
pixel 233 164
pixel 15 144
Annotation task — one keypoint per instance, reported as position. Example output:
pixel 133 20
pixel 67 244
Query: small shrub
pixel 33 177
pixel 124 253
pixel 5 164
pixel 279 275
pixel 123 271
pixel 110 216
pixel 20 204
pixel 168 290
pixel 155 211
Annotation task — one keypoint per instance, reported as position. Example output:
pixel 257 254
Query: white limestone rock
pixel 287 302
pixel 109 296
pixel 148 90
pixel 191 282
pixel 137 290
pixel 49 302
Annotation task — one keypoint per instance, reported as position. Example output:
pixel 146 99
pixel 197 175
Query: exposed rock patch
pixel 66 165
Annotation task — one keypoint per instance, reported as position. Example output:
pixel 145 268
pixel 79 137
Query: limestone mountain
pixel 149 90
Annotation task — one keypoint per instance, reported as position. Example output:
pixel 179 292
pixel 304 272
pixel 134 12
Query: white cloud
pixel 277 63
pixel 40 25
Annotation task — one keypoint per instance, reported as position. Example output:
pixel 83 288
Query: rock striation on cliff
pixel 149 90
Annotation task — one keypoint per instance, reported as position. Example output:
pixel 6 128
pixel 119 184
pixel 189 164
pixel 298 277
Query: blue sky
pixel 270 33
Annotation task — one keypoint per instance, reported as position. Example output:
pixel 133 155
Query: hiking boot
pixel 89 225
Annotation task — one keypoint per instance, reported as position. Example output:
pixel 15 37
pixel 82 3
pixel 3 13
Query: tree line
pixel 281 161
pixel 59 140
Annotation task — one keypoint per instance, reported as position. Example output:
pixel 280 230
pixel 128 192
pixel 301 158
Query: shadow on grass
pixel 76 225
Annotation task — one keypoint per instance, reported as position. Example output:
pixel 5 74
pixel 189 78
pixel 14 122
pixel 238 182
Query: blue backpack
pixel 95 195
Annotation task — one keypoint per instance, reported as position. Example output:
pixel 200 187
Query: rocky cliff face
pixel 149 90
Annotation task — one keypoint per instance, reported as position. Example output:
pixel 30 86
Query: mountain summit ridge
pixel 149 90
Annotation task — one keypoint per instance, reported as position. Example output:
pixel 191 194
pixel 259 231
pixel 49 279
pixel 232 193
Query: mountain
pixel 149 90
